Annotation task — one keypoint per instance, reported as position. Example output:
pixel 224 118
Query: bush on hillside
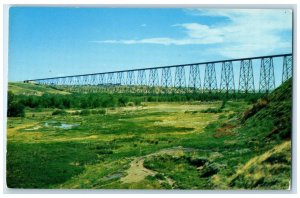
pixel 14 107
pixel 261 103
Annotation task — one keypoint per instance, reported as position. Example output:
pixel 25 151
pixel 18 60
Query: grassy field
pixel 157 145
pixel 31 89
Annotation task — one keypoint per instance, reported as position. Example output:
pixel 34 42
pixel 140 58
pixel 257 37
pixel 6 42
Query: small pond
pixel 60 125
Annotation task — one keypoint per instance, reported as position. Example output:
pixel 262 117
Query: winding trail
pixel 137 172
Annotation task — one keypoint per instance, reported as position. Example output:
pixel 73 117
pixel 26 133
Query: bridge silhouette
pixel 181 78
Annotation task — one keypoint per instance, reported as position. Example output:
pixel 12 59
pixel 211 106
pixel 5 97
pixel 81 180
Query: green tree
pixel 122 101
pixel 14 107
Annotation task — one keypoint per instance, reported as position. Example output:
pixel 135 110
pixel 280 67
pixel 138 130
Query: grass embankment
pixel 33 89
pixel 250 151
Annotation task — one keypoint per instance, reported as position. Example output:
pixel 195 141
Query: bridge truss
pixel 184 78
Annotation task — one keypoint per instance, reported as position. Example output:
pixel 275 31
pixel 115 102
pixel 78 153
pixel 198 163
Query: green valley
pixel 105 141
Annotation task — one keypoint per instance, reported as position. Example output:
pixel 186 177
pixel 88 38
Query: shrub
pixel 261 103
pixel 59 112
pixel 137 102
pixel 150 178
pixel 76 113
pixel 165 185
pixel 231 115
pixel 131 104
pixel 109 101
pixel 197 161
pixel 122 101
pixel 105 151
pixel 209 169
pixel 85 112
pixel 211 110
pixel 159 176
pixel 100 111
pixel 15 108
pixel 223 104
pixel 277 158
pixel 222 116
pixel 149 164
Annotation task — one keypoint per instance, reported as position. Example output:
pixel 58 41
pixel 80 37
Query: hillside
pixel 267 127
pixel 32 89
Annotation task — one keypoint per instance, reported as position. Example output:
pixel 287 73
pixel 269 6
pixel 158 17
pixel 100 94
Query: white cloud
pixel 252 32
pixel 163 41
pixel 197 34
pixel 270 18
pixel 246 32
pixel 202 32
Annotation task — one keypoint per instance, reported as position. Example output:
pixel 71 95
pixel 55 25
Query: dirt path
pixel 13 130
pixel 137 172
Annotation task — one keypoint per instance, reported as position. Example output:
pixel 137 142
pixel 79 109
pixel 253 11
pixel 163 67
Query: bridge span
pixel 186 77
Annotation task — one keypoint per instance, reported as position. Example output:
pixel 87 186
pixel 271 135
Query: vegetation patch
pixel 59 112
pixel 258 173
pixel 224 130
pixel 211 110
pixel 187 172
pixel 44 165
pixel 172 142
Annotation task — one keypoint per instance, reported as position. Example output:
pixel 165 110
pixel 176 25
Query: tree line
pixel 17 103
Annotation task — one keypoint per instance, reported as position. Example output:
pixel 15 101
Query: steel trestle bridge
pixel 184 78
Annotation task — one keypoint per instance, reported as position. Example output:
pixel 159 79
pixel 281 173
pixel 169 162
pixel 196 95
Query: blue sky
pixel 48 42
